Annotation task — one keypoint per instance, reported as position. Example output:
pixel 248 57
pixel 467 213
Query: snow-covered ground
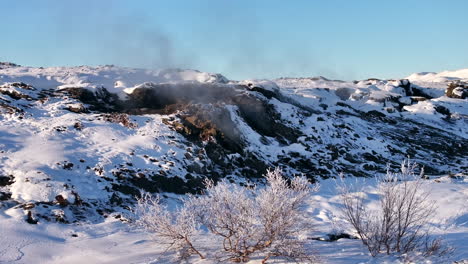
pixel 74 166
pixel 434 77
pixel 115 79
pixel 114 241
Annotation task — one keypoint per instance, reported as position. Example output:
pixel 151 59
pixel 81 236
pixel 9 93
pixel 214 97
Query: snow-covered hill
pixel 114 79
pixel 440 77
pixel 77 143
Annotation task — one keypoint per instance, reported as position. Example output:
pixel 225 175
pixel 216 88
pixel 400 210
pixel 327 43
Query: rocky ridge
pixel 79 143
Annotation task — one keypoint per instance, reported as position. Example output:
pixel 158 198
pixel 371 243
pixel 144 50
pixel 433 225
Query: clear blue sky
pixel 347 39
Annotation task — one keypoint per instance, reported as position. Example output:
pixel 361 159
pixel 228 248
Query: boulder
pixel 6 180
pixel 457 90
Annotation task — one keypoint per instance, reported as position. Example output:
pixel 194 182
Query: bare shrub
pixel 281 215
pixel 258 220
pixel 263 221
pixel 175 228
pixel 400 224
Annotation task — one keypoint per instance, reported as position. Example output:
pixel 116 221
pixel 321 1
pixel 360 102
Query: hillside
pixel 78 143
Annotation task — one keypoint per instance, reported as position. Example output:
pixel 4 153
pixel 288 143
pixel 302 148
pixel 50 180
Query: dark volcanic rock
pixel 458 90
pixel 6 180
pixel 99 100
pixel 4 196
pixel 30 219
pixel 61 200
pixel 229 131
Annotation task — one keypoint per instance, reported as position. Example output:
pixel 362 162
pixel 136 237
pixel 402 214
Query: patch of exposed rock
pixel 458 90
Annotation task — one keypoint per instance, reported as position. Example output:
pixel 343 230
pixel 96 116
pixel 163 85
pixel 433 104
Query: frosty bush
pixel 263 221
pixel 258 220
pixel 400 223
pixel 175 228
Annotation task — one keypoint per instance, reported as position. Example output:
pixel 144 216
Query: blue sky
pixel 241 39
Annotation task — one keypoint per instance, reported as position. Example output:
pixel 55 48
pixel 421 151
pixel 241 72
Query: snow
pixel 114 79
pixel 115 241
pixel 439 77
pixel 33 147
pixel 434 84
pixel 265 84
pixel 36 149
pixel 380 95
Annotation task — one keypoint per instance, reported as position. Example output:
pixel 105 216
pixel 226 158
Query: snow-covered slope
pixel 115 79
pixel 77 143
pixel 440 77
pixel 437 82
pixel 113 241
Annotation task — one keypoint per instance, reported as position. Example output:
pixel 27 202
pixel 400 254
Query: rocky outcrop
pixel 99 100
pixel 6 180
pixel 458 90
pixel 219 130
pixel 5 64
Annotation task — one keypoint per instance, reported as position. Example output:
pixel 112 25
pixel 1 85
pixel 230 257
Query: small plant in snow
pixel 264 221
pixel 400 222
pixel 175 228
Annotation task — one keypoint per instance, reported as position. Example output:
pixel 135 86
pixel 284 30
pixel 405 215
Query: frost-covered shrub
pixel 262 221
pixel 175 228
pixel 258 220
pixel 400 223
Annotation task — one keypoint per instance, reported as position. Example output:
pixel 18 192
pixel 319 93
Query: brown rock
pixel 61 200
